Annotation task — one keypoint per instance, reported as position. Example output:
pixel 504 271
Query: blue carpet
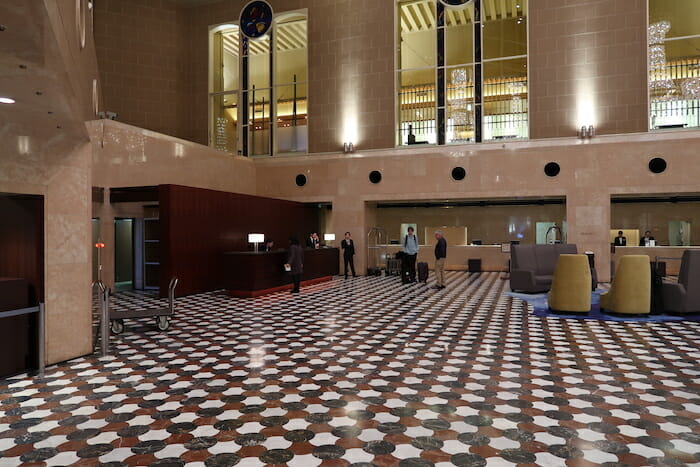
pixel 541 308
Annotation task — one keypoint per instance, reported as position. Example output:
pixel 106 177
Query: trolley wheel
pixel 117 326
pixel 162 322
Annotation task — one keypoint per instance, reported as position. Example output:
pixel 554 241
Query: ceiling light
pixel 6 100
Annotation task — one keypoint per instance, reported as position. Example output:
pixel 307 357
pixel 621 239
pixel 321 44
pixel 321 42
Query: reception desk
pixel 458 256
pixel 663 253
pixel 251 274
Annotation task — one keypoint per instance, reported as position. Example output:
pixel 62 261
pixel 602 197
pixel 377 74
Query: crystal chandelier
pixel 691 88
pixel 661 86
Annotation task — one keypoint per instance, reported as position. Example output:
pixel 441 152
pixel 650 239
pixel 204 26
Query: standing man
pixel 348 246
pixel 295 262
pixel 440 255
pixel 410 249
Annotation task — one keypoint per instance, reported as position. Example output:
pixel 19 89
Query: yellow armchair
pixel 630 292
pixel 571 285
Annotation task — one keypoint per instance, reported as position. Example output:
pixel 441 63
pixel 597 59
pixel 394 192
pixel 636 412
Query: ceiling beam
pixel 407 14
pixel 420 15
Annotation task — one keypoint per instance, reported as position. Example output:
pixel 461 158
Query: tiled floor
pixel 367 372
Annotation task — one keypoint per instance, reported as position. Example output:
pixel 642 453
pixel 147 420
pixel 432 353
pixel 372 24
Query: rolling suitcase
pixel 423 272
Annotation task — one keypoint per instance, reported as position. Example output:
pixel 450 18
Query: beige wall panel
pixel 587 62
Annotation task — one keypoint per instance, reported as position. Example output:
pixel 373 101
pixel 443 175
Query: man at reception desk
pixel 620 240
pixel 647 239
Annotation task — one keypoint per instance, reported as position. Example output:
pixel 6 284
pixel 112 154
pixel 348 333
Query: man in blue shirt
pixel 440 255
pixel 410 249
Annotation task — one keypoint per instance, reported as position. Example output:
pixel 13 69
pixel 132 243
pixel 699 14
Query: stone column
pixel 588 225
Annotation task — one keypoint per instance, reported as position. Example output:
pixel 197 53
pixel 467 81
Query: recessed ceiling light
pixel 6 100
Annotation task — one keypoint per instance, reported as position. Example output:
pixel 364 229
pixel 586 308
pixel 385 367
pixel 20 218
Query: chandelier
pixel 661 86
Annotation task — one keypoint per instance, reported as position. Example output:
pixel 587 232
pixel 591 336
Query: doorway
pixel 123 254
pixel 21 279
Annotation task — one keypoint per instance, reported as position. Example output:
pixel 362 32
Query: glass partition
pixel 417 109
pixel 291 90
pixel 291 118
pixel 505 99
pixel 224 124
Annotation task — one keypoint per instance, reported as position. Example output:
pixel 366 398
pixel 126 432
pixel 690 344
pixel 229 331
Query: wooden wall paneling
pixel 199 225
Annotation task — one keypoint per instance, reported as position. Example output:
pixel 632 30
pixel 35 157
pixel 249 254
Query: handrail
pixel 171 294
pixel 41 345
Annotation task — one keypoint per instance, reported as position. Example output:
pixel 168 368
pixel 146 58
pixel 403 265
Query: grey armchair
pixel 684 296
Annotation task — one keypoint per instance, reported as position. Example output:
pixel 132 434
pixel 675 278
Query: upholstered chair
pixel 684 296
pixel 630 292
pixel 571 285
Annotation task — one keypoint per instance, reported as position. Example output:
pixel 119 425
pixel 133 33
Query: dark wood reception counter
pixel 251 274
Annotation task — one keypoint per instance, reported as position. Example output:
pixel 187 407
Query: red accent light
pixel 99 245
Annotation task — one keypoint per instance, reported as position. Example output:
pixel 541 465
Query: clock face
pixel 256 19
pixel 456 3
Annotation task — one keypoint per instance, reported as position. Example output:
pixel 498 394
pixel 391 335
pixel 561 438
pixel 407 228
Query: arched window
pixel 258 88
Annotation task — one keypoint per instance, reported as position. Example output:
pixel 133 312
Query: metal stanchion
pixel 104 319
pixel 42 339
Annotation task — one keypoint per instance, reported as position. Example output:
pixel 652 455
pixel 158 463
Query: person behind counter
pixel 295 262
pixel 269 245
pixel 313 241
pixel 646 239
pixel 620 240
pixel 348 246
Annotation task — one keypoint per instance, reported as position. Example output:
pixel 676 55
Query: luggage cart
pixel 393 266
pixel 162 315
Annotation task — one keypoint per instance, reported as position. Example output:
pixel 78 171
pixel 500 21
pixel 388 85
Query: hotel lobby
pixel 150 140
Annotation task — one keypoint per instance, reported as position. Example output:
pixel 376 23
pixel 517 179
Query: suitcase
pixel 423 272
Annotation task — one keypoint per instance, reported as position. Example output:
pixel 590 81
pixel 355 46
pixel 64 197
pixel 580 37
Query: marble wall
pixel 587 66
pixel 587 62
pixel 47 152
pixel 591 172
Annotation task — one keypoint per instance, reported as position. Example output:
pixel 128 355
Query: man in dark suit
pixel 440 255
pixel 620 240
pixel 348 246
pixel 313 241
pixel 644 241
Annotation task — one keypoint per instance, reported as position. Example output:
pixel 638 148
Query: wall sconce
pixel 256 238
pixel 329 238
pixel 586 132
pixel 348 148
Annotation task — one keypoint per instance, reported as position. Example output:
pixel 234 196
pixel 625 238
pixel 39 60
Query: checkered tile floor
pixel 366 372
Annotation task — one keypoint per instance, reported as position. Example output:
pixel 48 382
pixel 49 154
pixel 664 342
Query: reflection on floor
pixel 367 372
